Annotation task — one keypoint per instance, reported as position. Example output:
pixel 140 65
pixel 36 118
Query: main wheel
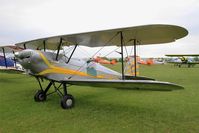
pixel 40 96
pixel 67 101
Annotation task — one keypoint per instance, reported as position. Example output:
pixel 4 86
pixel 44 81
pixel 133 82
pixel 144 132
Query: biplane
pixel 9 63
pixel 183 60
pixel 39 60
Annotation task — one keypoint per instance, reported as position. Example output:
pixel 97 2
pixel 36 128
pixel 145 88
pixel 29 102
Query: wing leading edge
pixel 10 48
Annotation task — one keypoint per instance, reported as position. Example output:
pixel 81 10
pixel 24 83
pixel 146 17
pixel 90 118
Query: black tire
pixel 40 96
pixel 67 101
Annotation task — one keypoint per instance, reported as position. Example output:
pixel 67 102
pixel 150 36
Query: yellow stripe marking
pixel 44 59
pixel 60 70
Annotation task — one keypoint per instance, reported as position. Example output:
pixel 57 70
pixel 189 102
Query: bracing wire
pixel 126 51
pixel 96 52
pixel 68 50
pixel 131 50
pixel 111 52
pixel 106 44
pixel 84 51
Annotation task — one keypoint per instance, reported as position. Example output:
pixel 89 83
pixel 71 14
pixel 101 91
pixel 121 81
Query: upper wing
pixel 180 55
pixel 10 49
pixel 147 34
pixel 127 84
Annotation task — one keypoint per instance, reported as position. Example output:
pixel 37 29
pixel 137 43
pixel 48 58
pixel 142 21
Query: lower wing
pixel 127 84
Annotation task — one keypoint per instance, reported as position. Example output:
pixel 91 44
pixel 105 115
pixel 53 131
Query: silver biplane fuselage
pixel 44 64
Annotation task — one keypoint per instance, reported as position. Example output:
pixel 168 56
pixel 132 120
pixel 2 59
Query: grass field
pixel 103 110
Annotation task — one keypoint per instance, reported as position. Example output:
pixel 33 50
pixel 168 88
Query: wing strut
pixel 44 42
pixel 24 45
pixel 72 52
pixel 122 54
pixel 4 55
pixel 58 49
pixel 135 55
pixel 14 59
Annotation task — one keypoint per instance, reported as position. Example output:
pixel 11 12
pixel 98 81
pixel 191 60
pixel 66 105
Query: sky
pixel 23 20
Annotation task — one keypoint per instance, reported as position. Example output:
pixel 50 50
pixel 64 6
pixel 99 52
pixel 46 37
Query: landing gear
pixel 67 100
pixel 40 96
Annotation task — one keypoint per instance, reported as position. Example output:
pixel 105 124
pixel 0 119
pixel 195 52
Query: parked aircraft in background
pixel 102 60
pixel 3 64
pixel 9 62
pixel 148 61
pixel 183 59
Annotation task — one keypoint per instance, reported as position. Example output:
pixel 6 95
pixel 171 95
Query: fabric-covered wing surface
pixel 10 49
pixel 147 34
pixel 127 84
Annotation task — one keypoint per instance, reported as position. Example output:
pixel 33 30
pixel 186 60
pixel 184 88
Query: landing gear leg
pixel 40 96
pixel 67 100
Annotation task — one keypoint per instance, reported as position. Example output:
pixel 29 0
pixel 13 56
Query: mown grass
pixel 103 110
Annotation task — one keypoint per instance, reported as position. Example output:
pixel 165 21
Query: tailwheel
pixel 40 96
pixel 67 101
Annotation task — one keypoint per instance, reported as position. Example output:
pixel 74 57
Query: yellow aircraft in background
pixel 183 59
